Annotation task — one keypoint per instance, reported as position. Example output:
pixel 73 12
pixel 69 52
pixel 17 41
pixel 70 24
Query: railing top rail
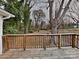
pixel 42 34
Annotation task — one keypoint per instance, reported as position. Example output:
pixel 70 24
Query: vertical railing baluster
pixel 27 41
pixel 39 42
pixel 77 41
pixel 49 41
pixel 18 41
pixel 59 41
pixel 7 43
pixel 12 41
pixel 73 40
pixel 24 43
pixel 4 44
pixel 34 42
pixel 7 39
pixel 44 43
pixel 31 41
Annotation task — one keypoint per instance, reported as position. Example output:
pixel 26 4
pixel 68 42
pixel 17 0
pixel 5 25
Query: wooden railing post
pixel 77 41
pixel 24 42
pixel 7 43
pixel 59 41
pixel 5 47
pixel 74 41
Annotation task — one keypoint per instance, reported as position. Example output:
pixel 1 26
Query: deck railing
pixel 17 41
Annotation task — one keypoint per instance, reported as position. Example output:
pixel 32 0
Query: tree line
pixel 22 10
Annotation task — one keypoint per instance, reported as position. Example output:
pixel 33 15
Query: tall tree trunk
pixel 53 29
pixel 50 12
pixel 57 21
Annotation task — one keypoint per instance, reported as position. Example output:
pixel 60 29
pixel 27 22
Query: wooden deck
pixel 49 53
pixel 29 46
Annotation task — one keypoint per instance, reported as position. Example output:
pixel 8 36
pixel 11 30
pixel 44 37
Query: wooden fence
pixel 25 41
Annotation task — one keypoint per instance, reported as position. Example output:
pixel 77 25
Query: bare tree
pixel 56 21
pixel 74 11
pixel 39 16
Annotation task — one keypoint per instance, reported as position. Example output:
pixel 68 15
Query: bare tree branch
pixel 50 10
pixel 63 14
pixel 60 9
pixel 32 5
pixel 29 2
pixel 65 9
pixel 72 16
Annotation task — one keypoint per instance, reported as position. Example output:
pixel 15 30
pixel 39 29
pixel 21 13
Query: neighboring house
pixel 3 15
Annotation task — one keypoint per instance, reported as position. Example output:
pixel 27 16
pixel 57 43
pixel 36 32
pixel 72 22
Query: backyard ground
pixel 50 53
pixel 75 30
